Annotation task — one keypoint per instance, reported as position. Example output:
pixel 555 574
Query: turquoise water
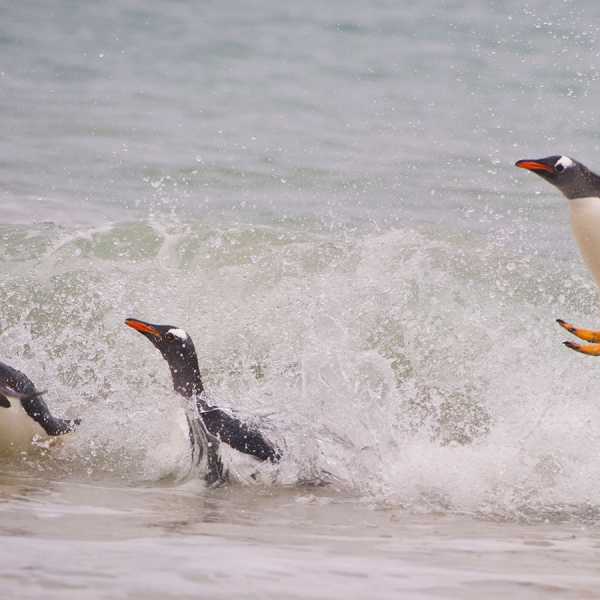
pixel 324 197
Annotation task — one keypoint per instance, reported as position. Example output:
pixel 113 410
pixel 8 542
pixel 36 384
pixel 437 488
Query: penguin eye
pixel 558 167
pixel 169 337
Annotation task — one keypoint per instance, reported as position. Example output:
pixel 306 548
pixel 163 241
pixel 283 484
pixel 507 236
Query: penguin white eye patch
pixel 564 161
pixel 179 333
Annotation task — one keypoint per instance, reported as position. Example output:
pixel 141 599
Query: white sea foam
pixel 414 367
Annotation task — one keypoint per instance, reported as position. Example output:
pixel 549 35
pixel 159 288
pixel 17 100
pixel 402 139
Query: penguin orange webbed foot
pixel 587 335
pixel 589 349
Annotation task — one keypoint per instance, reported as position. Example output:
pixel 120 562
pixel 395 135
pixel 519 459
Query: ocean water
pixel 323 195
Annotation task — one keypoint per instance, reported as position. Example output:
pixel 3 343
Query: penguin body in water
pixel 206 422
pixel 25 419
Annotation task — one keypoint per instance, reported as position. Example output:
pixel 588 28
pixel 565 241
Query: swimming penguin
pixel 177 348
pixel 582 188
pixel 24 416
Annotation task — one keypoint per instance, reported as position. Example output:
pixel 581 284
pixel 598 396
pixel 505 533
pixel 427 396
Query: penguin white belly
pixel 585 220
pixel 17 429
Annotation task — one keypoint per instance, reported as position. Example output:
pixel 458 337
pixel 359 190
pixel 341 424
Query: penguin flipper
pixel 15 380
pixel 38 410
pixel 62 426
pixel 239 435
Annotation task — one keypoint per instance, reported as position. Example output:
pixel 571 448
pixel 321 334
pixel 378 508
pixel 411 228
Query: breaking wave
pixel 413 366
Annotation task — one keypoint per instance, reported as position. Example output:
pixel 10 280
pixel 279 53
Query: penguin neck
pixel 592 184
pixel 585 220
pixel 185 373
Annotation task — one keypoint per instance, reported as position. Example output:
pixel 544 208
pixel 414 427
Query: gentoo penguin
pixel 582 188
pixel 24 416
pixel 177 348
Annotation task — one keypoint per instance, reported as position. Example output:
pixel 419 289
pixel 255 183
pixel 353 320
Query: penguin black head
pixel 178 350
pixel 572 178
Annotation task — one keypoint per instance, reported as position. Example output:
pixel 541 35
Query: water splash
pixel 415 366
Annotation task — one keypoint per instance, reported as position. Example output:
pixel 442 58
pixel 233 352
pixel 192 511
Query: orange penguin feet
pixel 592 349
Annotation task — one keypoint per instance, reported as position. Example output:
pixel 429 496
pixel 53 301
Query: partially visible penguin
pixel 24 416
pixel 581 187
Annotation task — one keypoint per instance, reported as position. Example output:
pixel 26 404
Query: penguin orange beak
pixel 142 327
pixel 534 165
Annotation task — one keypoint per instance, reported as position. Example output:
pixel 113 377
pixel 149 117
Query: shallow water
pixel 324 197
pixel 157 542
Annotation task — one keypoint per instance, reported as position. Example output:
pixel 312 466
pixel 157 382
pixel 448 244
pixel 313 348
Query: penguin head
pixel 177 348
pixel 572 178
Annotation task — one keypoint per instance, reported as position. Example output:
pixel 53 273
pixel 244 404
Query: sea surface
pixel 323 195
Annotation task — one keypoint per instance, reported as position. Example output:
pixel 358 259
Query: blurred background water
pixel 323 196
